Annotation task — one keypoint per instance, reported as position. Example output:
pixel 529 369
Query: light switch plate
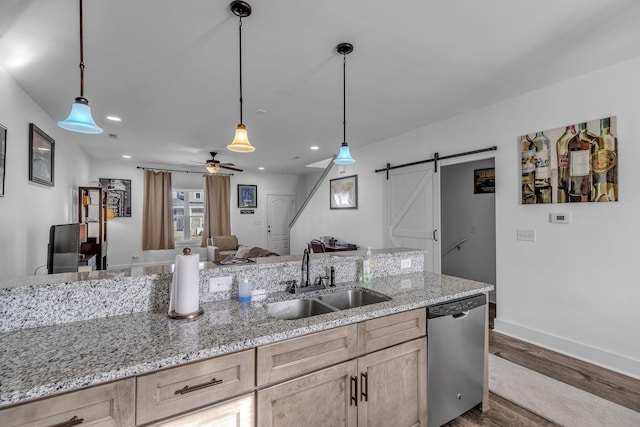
pixel 526 235
pixel 219 284
pixel 405 263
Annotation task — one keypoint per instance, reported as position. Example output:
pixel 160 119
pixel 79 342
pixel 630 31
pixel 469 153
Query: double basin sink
pixel 321 304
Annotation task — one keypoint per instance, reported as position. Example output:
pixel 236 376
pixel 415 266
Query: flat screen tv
pixel 64 246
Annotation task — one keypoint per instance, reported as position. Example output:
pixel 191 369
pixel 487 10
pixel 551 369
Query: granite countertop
pixel 42 361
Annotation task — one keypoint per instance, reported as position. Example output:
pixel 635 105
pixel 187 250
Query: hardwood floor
pixel 609 385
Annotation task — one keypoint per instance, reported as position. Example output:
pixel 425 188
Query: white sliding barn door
pixel 414 211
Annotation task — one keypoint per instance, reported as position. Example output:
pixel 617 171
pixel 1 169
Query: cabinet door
pixel 173 391
pixel 111 404
pixel 323 398
pixel 392 386
pixel 233 413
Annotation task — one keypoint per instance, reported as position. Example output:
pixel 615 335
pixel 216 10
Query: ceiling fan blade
pixel 198 163
pixel 223 165
pixel 228 164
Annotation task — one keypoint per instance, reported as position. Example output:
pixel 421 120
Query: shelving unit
pixel 92 211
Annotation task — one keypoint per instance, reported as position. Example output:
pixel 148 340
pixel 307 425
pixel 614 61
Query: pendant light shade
pixel 80 118
pixel 240 143
pixel 344 156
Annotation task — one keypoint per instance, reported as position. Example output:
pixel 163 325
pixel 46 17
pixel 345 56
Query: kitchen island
pixel 39 362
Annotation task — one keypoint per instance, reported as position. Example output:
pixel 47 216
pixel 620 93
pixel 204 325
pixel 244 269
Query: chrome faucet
pixel 304 281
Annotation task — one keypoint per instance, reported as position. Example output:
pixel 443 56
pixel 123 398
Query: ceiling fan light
pixel 344 156
pixel 80 118
pixel 240 143
pixel 212 168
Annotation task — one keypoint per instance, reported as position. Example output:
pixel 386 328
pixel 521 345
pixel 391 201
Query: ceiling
pixel 169 68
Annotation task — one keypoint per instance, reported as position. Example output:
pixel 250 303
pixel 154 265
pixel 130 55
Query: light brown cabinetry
pixel 181 389
pixel 237 412
pixel 384 386
pixel 111 404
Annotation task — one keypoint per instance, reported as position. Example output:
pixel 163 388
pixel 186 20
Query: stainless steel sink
pixel 297 308
pixel 321 304
pixel 352 298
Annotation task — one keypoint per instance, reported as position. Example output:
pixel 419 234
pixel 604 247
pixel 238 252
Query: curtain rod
pixel 177 170
pixel 436 158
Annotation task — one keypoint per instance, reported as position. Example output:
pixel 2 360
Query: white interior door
pixel 279 214
pixel 414 211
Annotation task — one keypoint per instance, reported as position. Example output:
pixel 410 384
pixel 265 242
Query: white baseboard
pixel 615 362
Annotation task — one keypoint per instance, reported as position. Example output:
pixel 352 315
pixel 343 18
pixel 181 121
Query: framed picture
pixel 118 196
pixel 41 156
pixel 576 163
pixel 343 192
pixel 247 196
pixel 484 181
pixel 3 159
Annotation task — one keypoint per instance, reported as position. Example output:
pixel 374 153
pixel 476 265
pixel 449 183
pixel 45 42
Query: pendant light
pixel 240 143
pixel 80 119
pixel 344 156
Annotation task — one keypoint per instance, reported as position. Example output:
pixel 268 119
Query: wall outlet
pixel 526 235
pixel 219 284
pixel 405 263
pixel 135 255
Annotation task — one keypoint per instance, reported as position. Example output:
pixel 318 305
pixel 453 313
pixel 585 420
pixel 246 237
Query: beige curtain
pixel 217 216
pixel 157 218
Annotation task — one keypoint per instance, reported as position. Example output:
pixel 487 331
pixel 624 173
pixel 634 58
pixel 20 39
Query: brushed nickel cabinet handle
pixel 364 386
pixel 354 391
pixel 72 422
pixel 188 389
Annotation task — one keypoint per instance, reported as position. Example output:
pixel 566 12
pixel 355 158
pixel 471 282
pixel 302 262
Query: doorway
pixel 468 224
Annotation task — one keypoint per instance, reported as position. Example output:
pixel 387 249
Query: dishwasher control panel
pixel 456 307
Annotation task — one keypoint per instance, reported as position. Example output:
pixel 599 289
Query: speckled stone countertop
pixel 38 362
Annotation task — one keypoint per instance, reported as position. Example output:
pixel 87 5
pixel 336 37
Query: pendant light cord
pixel 344 98
pixel 240 61
pixel 81 56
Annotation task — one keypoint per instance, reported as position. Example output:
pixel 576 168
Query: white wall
pixel 471 216
pixel 575 289
pixel 28 210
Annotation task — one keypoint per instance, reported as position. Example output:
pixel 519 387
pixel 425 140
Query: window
pixel 188 214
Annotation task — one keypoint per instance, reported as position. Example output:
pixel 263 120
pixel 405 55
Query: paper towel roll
pixel 185 288
pixel 211 253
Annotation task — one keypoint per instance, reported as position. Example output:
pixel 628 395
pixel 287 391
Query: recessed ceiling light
pixel 126 156
pixel 114 118
pixel 261 168
pixel 314 147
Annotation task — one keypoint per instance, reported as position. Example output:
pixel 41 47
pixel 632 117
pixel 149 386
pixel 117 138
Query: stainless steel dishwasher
pixel 455 358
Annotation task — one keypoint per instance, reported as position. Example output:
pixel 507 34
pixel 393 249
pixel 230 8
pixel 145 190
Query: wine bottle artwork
pixel 576 163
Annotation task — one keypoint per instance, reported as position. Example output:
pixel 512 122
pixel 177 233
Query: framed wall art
pixel 484 181
pixel 3 158
pixel 343 192
pixel 41 156
pixel 577 163
pixel 118 196
pixel 247 196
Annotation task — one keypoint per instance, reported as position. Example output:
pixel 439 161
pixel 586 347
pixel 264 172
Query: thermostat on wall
pixel 560 218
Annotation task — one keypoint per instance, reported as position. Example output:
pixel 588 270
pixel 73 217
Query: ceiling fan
pixel 213 166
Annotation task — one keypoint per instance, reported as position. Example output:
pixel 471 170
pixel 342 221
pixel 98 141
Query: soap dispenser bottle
pixel 244 294
pixel 366 267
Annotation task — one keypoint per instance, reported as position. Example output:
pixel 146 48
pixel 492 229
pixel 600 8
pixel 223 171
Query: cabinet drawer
pixel 176 390
pixel 109 404
pixel 298 356
pixel 384 332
